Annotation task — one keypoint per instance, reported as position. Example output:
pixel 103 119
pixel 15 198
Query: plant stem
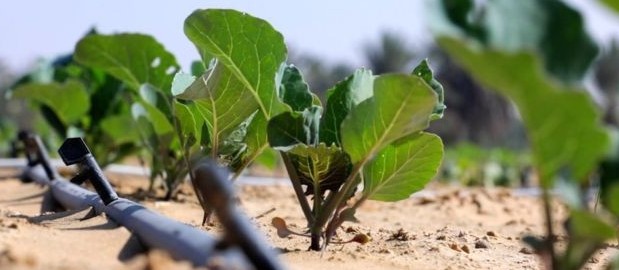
pixel 298 190
pixel 331 205
pixel 315 236
pixel 550 247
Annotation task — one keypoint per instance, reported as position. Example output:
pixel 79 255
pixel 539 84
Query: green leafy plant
pixel 472 165
pixel 147 69
pixel 565 134
pixel 371 132
pixel 79 101
pixel 219 111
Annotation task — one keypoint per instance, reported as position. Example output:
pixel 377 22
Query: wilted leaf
pixel 361 238
pixel 282 228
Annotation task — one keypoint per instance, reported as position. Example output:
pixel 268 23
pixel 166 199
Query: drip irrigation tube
pixel 154 230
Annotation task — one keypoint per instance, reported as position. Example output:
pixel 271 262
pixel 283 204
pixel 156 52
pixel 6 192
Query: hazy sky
pixel 331 28
pixel 336 29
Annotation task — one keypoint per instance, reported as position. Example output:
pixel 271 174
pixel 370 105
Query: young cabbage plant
pixel 76 100
pixel 145 67
pixel 219 111
pixel 236 94
pixel 370 134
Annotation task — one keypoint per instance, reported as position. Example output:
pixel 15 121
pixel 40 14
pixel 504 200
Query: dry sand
pixel 447 228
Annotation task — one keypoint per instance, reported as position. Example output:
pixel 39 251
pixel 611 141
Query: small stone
pixel 593 260
pixel 525 250
pixel 454 246
pixel 385 251
pixel 482 244
pixel 13 226
pixel 440 237
pixel 465 248
pixel 490 233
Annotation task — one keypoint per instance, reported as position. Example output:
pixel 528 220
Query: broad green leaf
pixel 401 105
pixel 69 101
pixel 198 68
pixel 158 100
pixel 190 125
pixel 291 128
pixel 424 71
pixel 459 13
pixel 293 89
pixel 399 170
pixel 320 167
pixel 565 25
pixel 233 149
pixel 342 98
pixel 611 198
pixel 135 59
pixel 118 128
pixel 143 110
pixel 256 139
pixel 223 102
pixel 541 26
pixel 268 158
pixel 563 124
pixel 588 233
pixel 247 46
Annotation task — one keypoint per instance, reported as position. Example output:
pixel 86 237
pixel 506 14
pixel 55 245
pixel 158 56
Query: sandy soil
pixel 443 228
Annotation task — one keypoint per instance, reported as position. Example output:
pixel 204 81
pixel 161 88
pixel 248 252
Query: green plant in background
pixel 565 134
pixel 146 69
pixel 370 133
pixel 79 101
pixel 471 165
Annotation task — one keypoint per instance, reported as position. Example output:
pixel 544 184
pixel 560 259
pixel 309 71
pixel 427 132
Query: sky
pixel 337 30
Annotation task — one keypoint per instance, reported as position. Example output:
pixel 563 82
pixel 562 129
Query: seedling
pixel 371 133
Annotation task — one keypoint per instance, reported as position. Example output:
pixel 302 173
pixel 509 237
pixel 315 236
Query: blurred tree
pixel 606 71
pixel 473 114
pixel 390 54
pixel 318 73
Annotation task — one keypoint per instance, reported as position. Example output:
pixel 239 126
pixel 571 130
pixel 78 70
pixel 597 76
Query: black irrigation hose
pixel 182 241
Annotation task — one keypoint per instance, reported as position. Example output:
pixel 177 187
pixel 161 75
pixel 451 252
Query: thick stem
pixel 315 241
pixel 550 247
